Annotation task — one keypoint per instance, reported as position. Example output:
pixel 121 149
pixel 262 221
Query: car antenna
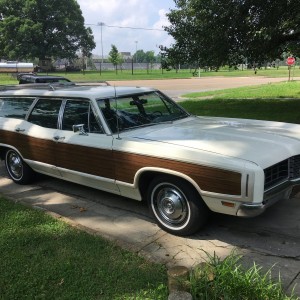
pixel 118 129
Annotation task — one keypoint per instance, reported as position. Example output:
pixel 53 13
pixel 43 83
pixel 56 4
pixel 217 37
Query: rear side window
pixel 45 113
pixel 15 107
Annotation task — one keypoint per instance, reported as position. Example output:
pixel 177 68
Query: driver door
pixel 84 152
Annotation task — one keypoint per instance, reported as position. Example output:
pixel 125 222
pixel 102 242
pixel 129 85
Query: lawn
pixel 274 102
pixel 283 90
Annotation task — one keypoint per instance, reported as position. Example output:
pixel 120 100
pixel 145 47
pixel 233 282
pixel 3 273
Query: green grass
pixel 94 76
pixel 159 74
pixel 228 279
pixel 44 258
pixel 273 102
pixel 288 89
pixel 269 72
pixel 259 109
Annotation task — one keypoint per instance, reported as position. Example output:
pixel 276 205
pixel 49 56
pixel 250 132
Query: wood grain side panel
pixel 209 179
pixel 36 149
pixel 117 165
pixel 94 161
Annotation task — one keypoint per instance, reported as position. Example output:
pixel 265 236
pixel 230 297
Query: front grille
pixel 276 174
pixel 288 169
pixel 295 167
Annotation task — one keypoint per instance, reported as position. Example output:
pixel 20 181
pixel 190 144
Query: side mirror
pixel 79 128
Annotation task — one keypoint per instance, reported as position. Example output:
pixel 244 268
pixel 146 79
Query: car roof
pixel 75 91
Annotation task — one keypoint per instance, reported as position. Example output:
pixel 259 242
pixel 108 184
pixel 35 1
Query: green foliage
pixel 48 28
pixel 144 57
pixel 228 279
pixel 115 57
pixel 214 33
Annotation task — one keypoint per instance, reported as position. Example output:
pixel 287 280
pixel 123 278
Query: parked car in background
pixel 138 143
pixel 26 78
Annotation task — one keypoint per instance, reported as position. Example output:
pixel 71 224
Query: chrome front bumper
pixel 280 192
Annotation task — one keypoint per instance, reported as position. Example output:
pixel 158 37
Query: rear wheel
pixel 176 205
pixel 17 169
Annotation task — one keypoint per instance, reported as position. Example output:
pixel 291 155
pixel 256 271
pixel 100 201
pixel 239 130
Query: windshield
pixel 139 110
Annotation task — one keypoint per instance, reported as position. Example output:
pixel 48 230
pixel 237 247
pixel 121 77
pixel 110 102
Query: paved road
pixel 177 87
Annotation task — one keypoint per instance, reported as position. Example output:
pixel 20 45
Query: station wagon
pixel 138 143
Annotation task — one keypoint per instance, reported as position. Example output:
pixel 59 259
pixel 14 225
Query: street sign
pixel 290 60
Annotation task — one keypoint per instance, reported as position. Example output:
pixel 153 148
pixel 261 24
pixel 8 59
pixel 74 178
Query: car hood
pixel 262 142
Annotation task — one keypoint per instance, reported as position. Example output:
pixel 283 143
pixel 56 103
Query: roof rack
pixel 51 86
pixel 39 86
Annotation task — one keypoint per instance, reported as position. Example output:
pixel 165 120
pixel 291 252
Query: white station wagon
pixel 138 143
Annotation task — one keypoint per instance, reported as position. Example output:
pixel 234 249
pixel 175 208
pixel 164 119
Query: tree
pixel 115 57
pixel 139 56
pixel 150 57
pixel 217 32
pixel 43 29
pixel 172 58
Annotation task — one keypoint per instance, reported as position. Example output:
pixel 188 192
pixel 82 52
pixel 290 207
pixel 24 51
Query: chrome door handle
pixel 19 129
pixel 57 137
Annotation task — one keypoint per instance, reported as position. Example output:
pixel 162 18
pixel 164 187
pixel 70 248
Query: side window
pixel 94 124
pixel 15 107
pixel 45 113
pixel 79 112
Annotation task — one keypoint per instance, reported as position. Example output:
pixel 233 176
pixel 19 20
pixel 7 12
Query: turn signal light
pixel 228 204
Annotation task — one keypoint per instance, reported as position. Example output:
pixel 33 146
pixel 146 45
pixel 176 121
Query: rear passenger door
pixel 43 124
pixel 84 151
pixel 28 125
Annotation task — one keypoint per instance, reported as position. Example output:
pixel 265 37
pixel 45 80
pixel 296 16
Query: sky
pixel 117 14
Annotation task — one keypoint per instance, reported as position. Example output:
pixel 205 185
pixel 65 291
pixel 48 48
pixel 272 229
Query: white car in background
pixel 138 143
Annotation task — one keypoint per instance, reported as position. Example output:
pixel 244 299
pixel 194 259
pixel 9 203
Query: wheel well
pixel 147 177
pixel 144 181
pixel 2 152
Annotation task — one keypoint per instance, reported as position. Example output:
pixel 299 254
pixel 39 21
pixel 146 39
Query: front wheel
pixel 176 205
pixel 17 169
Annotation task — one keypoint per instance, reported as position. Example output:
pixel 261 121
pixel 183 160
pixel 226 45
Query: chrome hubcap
pixel 170 205
pixel 15 165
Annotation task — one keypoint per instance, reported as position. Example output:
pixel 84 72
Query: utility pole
pixel 136 51
pixel 101 24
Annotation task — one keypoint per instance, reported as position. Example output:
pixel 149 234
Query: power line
pixel 125 27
